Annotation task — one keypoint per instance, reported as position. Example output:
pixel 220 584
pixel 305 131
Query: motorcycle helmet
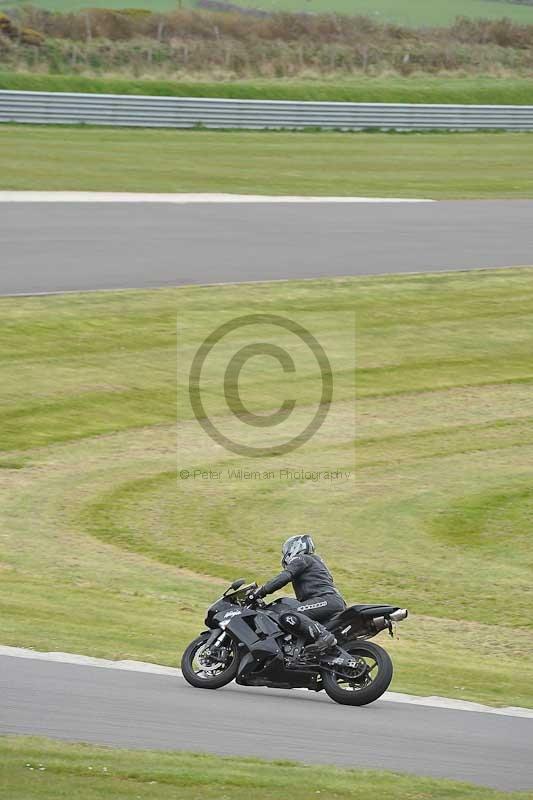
pixel 296 546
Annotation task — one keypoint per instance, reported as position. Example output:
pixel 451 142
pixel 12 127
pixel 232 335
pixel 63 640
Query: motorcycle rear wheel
pixel 205 680
pixel 361 692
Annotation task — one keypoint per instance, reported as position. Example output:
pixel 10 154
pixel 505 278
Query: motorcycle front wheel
pixel 365 683
pixel 209 670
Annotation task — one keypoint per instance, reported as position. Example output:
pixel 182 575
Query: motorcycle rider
pixel 314 588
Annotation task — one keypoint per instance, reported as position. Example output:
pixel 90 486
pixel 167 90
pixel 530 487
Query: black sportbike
pixel 246 643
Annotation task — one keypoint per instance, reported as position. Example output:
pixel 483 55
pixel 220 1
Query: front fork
pixel 220 638
pixel 215 641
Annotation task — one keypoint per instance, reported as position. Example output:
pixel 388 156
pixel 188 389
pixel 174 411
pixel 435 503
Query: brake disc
pixel 208 665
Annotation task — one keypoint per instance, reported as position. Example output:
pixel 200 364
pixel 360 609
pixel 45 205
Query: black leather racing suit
pixel 313 586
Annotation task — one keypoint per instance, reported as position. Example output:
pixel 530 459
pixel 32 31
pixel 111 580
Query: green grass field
pixel 103 551
pixel 406 12
pixel 418 89
pixel 432 165
pixel 46 770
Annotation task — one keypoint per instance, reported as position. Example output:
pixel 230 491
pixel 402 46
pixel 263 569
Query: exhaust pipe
pixel 397 616
pixel 380 623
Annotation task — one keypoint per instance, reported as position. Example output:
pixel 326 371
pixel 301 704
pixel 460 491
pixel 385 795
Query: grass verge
pixel 416 89
pixel 98 531
pixel 46 770
pixel 433 165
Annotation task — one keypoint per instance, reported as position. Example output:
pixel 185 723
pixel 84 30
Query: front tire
pixel 208 680
pixel 366 688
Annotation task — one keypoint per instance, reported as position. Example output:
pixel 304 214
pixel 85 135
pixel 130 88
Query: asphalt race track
pixel 136 710
pixel 53 247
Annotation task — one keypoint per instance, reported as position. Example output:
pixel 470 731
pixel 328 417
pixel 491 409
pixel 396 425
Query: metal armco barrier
pixel 188 112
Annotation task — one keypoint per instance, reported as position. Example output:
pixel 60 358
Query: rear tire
pixel 356 695
pixel 207 682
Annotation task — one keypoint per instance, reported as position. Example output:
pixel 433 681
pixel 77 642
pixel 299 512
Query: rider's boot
pixel 323 640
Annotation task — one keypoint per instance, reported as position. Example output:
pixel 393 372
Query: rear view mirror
pixel 237 584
